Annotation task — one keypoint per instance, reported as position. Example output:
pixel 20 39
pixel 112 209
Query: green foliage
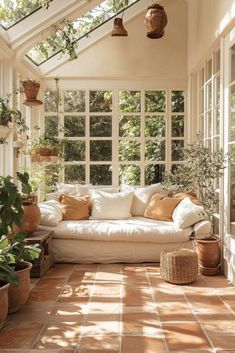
pixel 9 115
pixel 201 171
pixel 24 179
pixel 3 141
pixel 7 273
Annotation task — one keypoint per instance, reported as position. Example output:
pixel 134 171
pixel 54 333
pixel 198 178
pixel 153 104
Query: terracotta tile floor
pixel 122 308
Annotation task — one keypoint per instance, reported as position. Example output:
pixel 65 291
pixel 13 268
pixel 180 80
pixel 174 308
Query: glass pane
pixel 233 63
pixel 51 100
pixel 177 126
pixel 51 177
pixel 217 93
pixel 129 126
pixel 101 101
pixel 233 98
pixel 100 126
pixel 74 151
pixel 155 101
pixel 209 95
pixel 101 150
pixel 13 11
pixel 74 126
pixel 130 101
pixel 51 126
pixel 216 144
pixel 129 150
pixel 74 101
pixel 177 101
pixel 101 174
pixel 174 167
pixel 232 127
pixel 176 150
pixel 209 69
pixel 155 126
pixel 209 124
pixel 154 173
pixel 201 77
pixel 201 100
pixel 155 150
pixel 129 174
pixel 217 122
pixel 75 174
pixel 217 61
pixel 201 122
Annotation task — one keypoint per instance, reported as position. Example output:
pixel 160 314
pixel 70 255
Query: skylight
pixel 76 30
pixel 13 11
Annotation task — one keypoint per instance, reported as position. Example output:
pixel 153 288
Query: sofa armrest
pixel 201 228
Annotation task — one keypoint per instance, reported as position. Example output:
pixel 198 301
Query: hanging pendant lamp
pixel 118 28
pixel 155 21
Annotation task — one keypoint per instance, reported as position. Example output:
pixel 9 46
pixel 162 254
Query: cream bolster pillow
pixel 187 213
pixel 51 213
pixel 201 228
pixel 111 206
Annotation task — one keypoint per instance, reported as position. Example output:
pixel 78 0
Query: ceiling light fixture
pixel 155 21
pixel 118 29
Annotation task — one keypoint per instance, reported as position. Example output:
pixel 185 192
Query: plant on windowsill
pixel 201 172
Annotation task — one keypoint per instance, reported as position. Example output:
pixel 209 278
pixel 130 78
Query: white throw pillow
pixel 51 213
pixel 142 197
pixel 67 189
pixel 111 206
pixel 187 213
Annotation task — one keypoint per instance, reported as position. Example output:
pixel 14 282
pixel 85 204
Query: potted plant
pixel 201 172
pixel 9 115
pixel 7 276
pixel 30 88
pixel 46 149
pixel 15 248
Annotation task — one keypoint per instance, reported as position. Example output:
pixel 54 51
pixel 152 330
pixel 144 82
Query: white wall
pixel 207 19
pixel 136 57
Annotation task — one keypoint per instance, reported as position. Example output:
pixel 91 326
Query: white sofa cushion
pixel 142 197
pixel 187 213
pixel 51 213
pixel 111 206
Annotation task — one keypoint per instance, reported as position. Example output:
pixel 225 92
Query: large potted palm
pixel 201 172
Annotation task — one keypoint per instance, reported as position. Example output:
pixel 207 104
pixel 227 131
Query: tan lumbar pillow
pixel 75 207
pixel 190 194
pixel 161 207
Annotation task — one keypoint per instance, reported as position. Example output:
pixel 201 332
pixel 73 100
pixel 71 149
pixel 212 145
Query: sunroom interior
pixel 123 104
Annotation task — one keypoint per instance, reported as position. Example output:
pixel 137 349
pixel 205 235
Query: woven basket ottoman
pixel 179 266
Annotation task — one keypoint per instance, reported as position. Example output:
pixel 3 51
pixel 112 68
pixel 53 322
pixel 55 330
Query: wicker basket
pixel 179 266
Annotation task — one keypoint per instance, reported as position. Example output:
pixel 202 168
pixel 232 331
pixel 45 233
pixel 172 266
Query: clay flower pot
pixel 209 255
pixel 30 89
pixel 155 21
pixel 31 219
pixel 3 302
pixel 18 294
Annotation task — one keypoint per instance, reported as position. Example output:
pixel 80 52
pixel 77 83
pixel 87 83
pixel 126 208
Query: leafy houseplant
pixel 9 115
pixel 201 172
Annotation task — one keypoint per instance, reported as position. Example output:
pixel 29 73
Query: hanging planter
pixel 30 89
pixel 155 21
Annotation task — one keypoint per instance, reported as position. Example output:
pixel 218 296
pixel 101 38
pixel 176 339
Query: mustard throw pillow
pixel 190 194
pixel 75 207
pixel 161 207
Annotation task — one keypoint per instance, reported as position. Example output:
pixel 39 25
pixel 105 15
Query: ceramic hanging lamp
pixel 155 21
pixel 118 28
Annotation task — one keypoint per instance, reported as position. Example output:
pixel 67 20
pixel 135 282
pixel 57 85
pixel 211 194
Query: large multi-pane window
pixel 132 139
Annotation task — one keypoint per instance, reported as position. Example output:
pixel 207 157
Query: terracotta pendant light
pixel 118 28
pixel 155 21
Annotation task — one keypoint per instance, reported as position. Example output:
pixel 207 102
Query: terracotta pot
pixel 30 89
pixel 3 302
pixel 155 21
pixel 17 295
pixel 31 219
pixel 209 255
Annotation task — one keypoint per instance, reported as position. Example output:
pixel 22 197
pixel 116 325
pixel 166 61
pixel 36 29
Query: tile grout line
pixel 156 308
pixel 212 348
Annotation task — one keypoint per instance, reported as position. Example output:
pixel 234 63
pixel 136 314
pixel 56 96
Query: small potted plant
pixel 200 172
pixel 9 115
pixel 46 149
pixel 30 88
